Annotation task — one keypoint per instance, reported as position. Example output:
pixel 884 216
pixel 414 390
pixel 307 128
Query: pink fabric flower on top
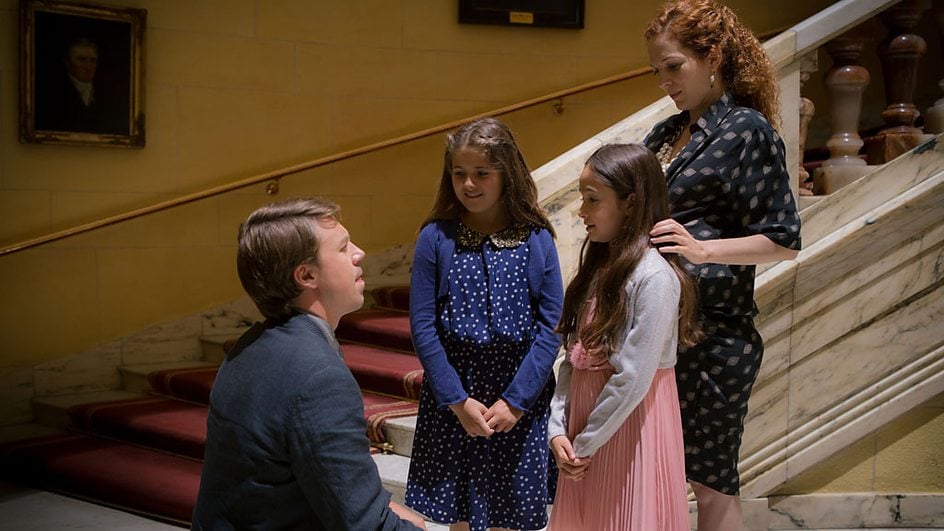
pixel 579 357
pixel 588 361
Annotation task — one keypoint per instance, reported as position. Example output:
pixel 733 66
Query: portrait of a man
pixel 71 100
pixel 82 70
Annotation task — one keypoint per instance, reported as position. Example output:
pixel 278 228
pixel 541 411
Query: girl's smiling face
pixel 603 213
pixel 476 183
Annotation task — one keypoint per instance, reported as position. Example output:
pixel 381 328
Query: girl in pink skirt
pixel 615 427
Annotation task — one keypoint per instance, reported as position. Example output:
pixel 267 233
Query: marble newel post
pixel 934 117
pixel 845 83
pixel 900 53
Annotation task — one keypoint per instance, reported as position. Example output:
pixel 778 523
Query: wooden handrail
pixel 298 168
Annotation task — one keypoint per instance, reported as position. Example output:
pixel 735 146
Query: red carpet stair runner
pixel 144 454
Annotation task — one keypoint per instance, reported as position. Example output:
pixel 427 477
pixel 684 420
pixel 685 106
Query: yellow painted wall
pixel 239 87
pixel 904 456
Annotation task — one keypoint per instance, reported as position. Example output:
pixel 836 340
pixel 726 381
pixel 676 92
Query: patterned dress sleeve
pixel 763 201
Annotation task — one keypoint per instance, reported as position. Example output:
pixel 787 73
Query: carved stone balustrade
pixel 845 84
pixel 901 54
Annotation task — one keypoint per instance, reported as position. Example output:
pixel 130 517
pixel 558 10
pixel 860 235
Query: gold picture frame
pixel 81 74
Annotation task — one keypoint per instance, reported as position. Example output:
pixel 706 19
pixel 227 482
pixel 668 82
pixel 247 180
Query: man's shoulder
pixel 291 347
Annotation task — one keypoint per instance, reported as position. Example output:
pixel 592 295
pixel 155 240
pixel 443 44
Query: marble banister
pixel 848 326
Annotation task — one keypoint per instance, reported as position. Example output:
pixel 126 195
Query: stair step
pixel 393 473
pixel 399 432
pixel 380 327
pixel 379 410
pixel 384 371
pixel 18 432
pixel 161 423
pixel 392 297
pixel 135 479
pixel 191 383
pixel 52 411
pixel 214 348
pixel 134 378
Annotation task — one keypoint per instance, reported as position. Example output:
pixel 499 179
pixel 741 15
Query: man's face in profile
pixel 81 62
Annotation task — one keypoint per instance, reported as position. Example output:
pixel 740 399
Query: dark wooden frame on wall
pixel 546 13
pixel 51 109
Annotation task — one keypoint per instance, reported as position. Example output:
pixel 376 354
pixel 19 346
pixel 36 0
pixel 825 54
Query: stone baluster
pixel 934 116
pixel 845 84
pixel 807 110
pixel 900 53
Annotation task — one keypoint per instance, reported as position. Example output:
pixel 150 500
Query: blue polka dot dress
pixel 486 328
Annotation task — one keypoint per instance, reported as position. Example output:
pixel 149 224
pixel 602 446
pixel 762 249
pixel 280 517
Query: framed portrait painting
pixel 546 13
pixel 81 74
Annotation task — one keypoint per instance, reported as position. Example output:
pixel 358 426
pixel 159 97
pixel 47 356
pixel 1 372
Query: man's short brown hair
pixel 273 241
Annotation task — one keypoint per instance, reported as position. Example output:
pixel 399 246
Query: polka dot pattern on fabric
pixel 486 326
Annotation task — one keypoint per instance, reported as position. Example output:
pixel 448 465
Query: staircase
pixel 140 448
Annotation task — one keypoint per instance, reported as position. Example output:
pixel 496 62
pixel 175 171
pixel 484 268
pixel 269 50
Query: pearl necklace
pixel 665 156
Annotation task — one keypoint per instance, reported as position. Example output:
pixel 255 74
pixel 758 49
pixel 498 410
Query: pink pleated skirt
pixel 636 481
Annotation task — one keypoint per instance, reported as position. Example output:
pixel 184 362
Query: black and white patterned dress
pixel 729 181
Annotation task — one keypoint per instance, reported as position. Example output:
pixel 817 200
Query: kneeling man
pixel 286 436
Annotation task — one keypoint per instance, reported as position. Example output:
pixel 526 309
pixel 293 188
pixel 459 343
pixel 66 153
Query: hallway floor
pixel 26 509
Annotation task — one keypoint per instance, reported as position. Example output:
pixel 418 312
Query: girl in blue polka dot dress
pixel 485 297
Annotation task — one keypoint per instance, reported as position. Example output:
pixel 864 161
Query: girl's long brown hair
pixel 704 26
pixel 519 193
pixel 605 267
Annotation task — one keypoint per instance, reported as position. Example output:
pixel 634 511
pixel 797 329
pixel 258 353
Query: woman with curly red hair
pixel 732 208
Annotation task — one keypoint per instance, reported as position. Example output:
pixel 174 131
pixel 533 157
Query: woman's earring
pixel 711 79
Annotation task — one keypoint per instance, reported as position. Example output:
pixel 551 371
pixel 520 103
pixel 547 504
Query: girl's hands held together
pixel 471 415
pixel 502 416
pixel 571 466
pixel 678 240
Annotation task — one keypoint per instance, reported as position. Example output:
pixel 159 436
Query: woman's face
pixel 602 211
pixel 684 76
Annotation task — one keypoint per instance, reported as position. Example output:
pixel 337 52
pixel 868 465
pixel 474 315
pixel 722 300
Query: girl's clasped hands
pixel 480 421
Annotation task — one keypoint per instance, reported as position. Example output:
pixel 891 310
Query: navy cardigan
pixel 434 250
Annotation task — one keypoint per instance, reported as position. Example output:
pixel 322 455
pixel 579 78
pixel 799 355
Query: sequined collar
pixel 505 239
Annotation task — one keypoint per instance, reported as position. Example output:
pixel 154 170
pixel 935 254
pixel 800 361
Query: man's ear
pixel 305 276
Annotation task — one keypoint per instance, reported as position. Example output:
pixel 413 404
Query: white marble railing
pixel 851 340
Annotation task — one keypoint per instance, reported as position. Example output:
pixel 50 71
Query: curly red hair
pixel 705 26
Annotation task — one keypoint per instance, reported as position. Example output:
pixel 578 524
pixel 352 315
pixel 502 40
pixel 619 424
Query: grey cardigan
pixel 649 343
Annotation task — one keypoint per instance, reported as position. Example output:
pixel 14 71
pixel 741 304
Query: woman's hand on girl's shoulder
pixel 471 414
pixel 502 416
pixel 571 466
pixel 670 236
